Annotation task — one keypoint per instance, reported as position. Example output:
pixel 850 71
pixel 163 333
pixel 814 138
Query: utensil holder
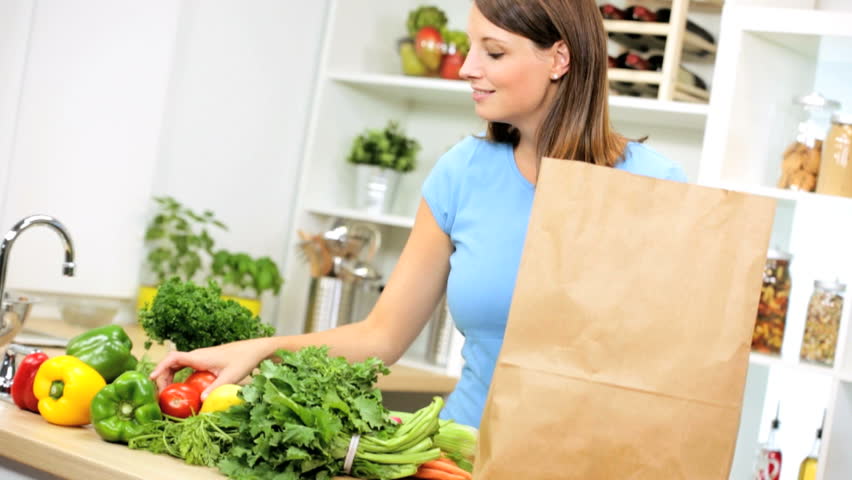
pixel 329 303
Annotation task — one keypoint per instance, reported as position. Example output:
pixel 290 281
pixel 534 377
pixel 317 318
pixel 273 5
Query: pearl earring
pixel 554 76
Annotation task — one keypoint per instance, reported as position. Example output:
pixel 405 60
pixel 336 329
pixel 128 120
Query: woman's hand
pixel 230 362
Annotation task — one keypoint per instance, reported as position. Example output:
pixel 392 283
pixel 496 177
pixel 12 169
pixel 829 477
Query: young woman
pixel 538 70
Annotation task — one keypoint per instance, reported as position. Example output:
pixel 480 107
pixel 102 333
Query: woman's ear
pixel 561 60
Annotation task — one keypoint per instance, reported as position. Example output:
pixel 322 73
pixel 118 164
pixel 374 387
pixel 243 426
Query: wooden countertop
pixel 402 378
pixel 79 453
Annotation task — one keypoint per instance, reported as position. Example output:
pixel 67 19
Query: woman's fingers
pixel 164 372
pixel 220 380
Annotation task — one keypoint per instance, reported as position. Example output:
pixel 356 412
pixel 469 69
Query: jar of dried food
pixel 823 323
pixel 772 310
pixel 801 160
pixel 835 169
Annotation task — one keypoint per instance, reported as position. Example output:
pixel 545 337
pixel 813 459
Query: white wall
pixel 88 126
pixel 15 18
pixel 206 101
pixel 242 81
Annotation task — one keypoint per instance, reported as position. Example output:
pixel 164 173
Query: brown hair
pixel 577 126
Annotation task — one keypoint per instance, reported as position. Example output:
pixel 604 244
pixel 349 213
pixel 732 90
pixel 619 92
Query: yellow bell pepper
pixel 64 387
pixel 221 398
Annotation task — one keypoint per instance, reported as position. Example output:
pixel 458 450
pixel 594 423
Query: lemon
pixel 221 398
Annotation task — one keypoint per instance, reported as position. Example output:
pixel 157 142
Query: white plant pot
pixel 375 188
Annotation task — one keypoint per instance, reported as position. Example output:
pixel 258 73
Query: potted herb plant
pixel 241 275
pixel 380 157
pixel 180 245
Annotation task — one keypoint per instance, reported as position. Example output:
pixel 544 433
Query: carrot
pixel 448 466
pixel 432 474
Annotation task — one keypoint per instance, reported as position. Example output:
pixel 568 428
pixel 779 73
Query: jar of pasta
pixel 835 168
pixel 823 323
pixel 800 163
pixel 772 309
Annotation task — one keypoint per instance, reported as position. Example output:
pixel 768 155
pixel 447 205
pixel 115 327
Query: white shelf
pixel 409 88
pixel 434 90
pixel 794 21
pixel 353 214
pixel 782 194
pixel 777 362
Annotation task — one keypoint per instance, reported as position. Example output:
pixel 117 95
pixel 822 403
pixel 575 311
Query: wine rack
pixel 673 40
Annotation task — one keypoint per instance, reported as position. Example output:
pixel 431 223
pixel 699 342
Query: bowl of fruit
pixel 431 49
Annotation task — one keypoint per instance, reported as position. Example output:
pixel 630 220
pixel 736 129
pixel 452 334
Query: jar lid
pixel 776 253
pixel 815 99
pixel 831 285
pixel 844 118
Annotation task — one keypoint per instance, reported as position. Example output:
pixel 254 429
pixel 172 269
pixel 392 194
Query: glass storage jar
pixel 835 170
pixel 768 333
pixel 800 163
pixel 822 326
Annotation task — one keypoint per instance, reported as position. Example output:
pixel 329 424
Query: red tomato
pixel 200 380
pixel 180 400
pixel 450 66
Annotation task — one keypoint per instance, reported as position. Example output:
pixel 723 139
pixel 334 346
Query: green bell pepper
pixel 121 409
pixel 106 349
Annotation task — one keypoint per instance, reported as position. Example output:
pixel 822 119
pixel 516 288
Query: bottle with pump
pixel 808 468
pixel 769 461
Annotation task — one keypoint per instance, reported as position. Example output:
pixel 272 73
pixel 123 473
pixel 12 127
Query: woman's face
pixel 511 77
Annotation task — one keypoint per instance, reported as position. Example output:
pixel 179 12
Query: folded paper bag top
pixel 628 337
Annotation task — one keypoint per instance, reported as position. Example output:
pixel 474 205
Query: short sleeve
pixel 676 173
pixel 441 187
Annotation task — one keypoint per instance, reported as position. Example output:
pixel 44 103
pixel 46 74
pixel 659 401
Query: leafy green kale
pixel 299 415
pixel 194 316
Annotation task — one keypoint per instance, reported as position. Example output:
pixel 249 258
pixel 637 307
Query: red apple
pixel 428 45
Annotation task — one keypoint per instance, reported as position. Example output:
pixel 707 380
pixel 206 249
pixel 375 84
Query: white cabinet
pixel 766 57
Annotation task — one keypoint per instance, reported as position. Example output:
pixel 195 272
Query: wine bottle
pixel 640 14
pixel 630 40
pixel 633 61
pixel 683 75
pixel 664 14
pixel 611 12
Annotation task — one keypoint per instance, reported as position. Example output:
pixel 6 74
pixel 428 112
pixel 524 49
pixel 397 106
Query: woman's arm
pixel 405 305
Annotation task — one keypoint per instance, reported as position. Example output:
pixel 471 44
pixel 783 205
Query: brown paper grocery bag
pixel 628 338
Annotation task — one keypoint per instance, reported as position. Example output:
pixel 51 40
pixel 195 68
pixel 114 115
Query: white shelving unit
pixel 765 56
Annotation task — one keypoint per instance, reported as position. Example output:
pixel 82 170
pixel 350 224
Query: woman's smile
pixel 480 94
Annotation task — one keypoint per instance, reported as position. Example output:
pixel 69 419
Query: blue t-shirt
pixel 480 199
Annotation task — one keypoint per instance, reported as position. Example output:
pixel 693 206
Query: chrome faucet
pixel 14 312
pixel 9 239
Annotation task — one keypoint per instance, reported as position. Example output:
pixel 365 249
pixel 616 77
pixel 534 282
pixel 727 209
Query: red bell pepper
pixel 22 383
